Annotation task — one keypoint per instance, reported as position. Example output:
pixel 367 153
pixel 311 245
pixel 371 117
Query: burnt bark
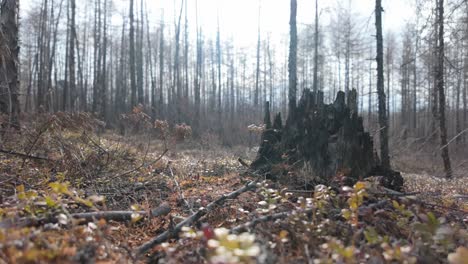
pixel 383 119
pixel 329 139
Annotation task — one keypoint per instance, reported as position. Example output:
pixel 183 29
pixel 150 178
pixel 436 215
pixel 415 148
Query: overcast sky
pixel 239 18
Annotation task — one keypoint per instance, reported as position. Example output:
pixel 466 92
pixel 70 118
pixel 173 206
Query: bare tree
pixel 198 72
pixel 9 52
pixel 257 72
pixel 139 58
pixel 292 64
pixel 441 89
pixel 383 120
pixel 316 38
pixel 71 54
pixel 133 84
pixel 161 68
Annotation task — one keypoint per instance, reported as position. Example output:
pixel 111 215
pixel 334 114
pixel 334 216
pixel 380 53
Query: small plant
pixel 224 247
pixel 137 121
pixel 355 200
pixel 182 132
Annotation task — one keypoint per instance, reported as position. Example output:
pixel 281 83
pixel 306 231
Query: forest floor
pixel 58 167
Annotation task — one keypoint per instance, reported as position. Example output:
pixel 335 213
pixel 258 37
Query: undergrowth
pixel 66 164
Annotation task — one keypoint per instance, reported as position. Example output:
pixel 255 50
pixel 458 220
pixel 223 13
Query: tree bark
pixel 9 52
pixel 198 70
pixel 441 91
pixel 161 111
pixel 71 55
pixel 383 120
pixel 316 37
pixel 133 84
pixel 292 64
pixel 257 71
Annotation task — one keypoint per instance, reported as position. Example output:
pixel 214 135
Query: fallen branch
pixel 179 190
pixel 174 232
pixel 22 155
pixel 390 192
pixel 460 196
pixel 454 138
pixel 243 163
pixel 267 218
pixel 119 216
pixel 42 130
pixel 141 166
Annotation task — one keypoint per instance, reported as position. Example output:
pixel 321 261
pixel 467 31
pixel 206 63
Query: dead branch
pixel 267 218
pixel 390 192
pixel 141 166
pixel 42 130
pixel 119 216
pixel 174 232
pixel 179 190
pixel 454 138
pixel 243 163
pixel 22 155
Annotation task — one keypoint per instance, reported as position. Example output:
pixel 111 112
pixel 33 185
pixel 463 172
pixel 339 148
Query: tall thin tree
pixel 441 90
pixel 316 38
pixel 292 63
pixel 383 120
pixel 133 84
pixel 257 72
pixel 9 52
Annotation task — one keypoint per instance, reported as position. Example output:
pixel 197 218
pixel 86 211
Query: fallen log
pixel 119 216
pixel 174 232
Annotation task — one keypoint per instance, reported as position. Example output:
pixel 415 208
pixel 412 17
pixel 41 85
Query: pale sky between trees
pixel 239 18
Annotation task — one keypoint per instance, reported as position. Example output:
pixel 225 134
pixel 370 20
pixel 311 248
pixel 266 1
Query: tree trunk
pixel 133 84
pixel 71 55
pixel 327 141
pixel 139 63
pixel 315 89
pixel 161 111
pixel 177 83
pixel 198 70
pixel 440 88
pixel 292 64
pixel 218 60
pixel 435 89
pixel 383 120
pixel 458 127
pixel 103 96
pixel 9 52
pixel 257 71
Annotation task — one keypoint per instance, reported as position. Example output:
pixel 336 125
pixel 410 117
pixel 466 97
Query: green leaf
pixel 50 202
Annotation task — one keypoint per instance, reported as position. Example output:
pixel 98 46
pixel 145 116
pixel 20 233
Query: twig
pixel 22 155
pixel 391 192
pixel 181 194
pixel 243 163
pixel 454 138
pixel 171 233
pixel 42 130
pixel 299 191
pixel 141 166
pixel 120 216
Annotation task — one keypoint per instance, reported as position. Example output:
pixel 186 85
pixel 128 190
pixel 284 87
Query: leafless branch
pixel 120 216
pixel 172 233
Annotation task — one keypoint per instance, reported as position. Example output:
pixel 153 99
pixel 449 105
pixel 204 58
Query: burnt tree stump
pixel 327 138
